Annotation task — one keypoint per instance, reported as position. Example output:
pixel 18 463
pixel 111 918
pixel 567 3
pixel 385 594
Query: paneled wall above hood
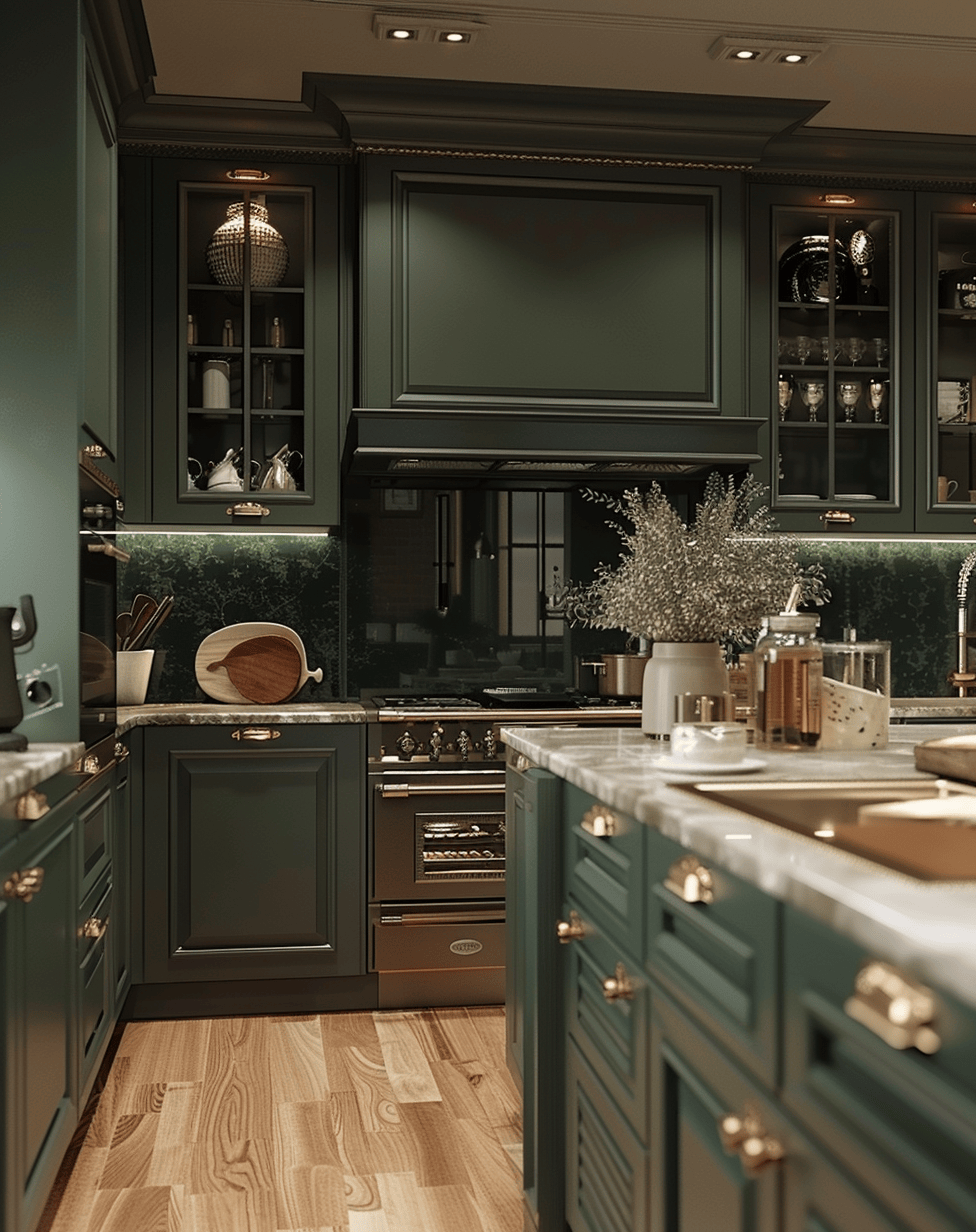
pixel 533 449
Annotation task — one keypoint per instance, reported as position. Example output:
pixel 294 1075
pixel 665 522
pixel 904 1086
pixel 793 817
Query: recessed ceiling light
pixel 248 174
pixel 453 36
pixel 401 33
pixel 765 50
pixel 837 199
pixel 424 28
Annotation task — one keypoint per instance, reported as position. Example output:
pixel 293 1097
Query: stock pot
pixel 612 675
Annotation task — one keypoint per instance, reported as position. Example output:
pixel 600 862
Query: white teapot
pixel 224 477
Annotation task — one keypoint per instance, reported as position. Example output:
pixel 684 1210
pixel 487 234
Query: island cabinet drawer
pixel 882 1065
pixel 607 1001
pixel 713 941
pixel 604 866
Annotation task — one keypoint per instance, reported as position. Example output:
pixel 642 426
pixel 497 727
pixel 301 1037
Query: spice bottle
pixel 788 666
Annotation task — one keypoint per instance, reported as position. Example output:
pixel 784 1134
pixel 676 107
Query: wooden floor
pixel 392 1121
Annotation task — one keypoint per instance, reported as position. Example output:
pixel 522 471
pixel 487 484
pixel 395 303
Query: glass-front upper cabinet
pixel 829 355
pixel 947 429
pixel 245 346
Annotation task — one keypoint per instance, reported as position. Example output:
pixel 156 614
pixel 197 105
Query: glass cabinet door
pixel 835 385
pixel 244 418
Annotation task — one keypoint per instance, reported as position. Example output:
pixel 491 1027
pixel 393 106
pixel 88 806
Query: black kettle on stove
pixel 11 707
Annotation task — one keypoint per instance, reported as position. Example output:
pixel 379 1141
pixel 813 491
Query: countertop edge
pixel 19 772
pixel 200 714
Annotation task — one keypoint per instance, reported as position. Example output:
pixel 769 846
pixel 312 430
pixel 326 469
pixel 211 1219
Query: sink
pixel 919 844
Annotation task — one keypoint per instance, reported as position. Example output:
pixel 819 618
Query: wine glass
pixel 827 350
pixel 849 394
pixel 812 395
pixel 804 348
pixel 878 400
pixel 785 349
pixel 856 349
pixel 785 394
pixel 880 351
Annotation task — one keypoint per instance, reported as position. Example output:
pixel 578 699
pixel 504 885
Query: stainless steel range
pixel 436 769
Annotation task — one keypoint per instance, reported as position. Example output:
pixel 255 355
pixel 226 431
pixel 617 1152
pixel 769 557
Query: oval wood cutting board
pixel 216 646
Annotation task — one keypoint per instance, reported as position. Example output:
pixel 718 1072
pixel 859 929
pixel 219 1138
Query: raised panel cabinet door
pixel 253 867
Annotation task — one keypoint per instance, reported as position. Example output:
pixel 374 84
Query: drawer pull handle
pixel 248 509
pixel 690 880
pixel 570 930
pixel 600 821
pixel 746 1137
pixel 521 763
pixel 255 733
pixel 837 517
pixel 617 987
pixel 23 885
pixel 898 1010
pixel 94 928
pixel 31 805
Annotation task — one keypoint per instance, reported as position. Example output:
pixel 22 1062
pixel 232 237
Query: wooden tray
pixel 216 646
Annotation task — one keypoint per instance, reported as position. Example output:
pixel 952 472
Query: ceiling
pixel 891 66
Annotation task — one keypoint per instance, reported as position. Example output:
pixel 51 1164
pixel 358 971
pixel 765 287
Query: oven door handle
pixel 388 790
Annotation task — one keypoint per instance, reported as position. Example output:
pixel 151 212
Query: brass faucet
pixel 963 680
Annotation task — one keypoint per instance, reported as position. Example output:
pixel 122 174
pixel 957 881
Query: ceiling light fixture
pixel 248 175
pixel 838 199
pixel 765 50
pixel 424 28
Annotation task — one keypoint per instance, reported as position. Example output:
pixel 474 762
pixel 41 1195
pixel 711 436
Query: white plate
pixel 676 766
pixel 843 496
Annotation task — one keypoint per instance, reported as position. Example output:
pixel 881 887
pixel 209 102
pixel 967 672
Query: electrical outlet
pixel 40 690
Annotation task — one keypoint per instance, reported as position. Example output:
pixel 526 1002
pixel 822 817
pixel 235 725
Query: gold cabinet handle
pixel 690 880
pixel 94 928
pixel 746 1137
pixel 572 929
pixel 618 987
pixel 247 509
pixel 839 517
pixel 898 1010
pixel 121 751
pixel 31 805
pixel 23 885
pixel 600 821
pixel 522 763
pixel 255 733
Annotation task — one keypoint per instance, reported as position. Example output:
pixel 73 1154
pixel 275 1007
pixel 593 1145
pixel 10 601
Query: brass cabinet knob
pixel 571 930
pixel 600 821
pixel 690 880
pixel 94 928
pixel 255 733
pixel 745 1136
pixel 897 1009
pixel 31 805
pixel 24 884
pixel 618 987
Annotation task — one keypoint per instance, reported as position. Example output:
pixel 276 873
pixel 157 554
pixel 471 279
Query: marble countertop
pixel 926 927
pixel 195 714
pixel 21 771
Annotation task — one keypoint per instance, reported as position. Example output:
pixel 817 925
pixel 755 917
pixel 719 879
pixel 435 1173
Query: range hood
pixel 528 448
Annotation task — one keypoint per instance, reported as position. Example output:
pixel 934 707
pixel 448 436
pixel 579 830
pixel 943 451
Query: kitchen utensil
pixel 612 675
pixel 224 476
pixel 143 610
pixel 148 631
pixel 265 670
pixel 122 623
pixel 132 671
pixel 216 645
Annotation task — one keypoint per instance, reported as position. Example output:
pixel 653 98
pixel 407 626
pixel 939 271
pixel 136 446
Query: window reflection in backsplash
pixel 391 629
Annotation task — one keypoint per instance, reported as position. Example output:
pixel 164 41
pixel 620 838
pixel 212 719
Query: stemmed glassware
pixel 785 394
pixel 804 348
pixel 849 394
pixel 880 351
pixel 878 400
pixel 812 395
pixel 855 348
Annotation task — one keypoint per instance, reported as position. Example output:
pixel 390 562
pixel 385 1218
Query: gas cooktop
pixel 502 698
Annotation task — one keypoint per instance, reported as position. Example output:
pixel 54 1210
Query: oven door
pixel 437 835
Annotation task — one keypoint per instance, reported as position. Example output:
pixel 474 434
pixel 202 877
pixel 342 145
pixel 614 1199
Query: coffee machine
pixel 11 707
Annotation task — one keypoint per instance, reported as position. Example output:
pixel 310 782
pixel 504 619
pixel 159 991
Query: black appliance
pixel 101 505
pixel 11 707
pixel 436 818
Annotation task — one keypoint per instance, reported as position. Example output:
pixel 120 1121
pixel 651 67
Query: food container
pixel 788 679
pixel 612 675
pixel 856 706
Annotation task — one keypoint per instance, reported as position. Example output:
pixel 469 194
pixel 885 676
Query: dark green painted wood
pixel 253 854
pixel 905 1122
pixel 120 935
pixel 488 290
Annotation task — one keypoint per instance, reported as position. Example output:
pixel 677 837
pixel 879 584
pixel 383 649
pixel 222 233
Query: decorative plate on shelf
pixel 804 272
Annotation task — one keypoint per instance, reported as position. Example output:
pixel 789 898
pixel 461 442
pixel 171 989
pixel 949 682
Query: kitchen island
pixel 723 1023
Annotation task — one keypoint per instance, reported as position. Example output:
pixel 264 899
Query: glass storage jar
pixel 788 665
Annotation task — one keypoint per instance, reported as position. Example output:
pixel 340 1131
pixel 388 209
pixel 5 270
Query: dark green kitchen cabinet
pixel 550 286
pixel 252 853
pixel 235 340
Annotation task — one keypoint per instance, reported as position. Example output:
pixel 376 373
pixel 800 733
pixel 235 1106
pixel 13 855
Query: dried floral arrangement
pixel 710 580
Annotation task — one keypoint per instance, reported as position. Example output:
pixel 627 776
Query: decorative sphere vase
pixel 225 252
pixel 675 668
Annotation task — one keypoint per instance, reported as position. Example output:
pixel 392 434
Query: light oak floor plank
pixel 389 1121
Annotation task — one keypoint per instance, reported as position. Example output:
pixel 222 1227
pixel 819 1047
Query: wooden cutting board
pixel 264 669
pixel 216 646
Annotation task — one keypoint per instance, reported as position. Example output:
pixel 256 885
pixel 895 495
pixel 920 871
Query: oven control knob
pixel 489 745
pixel 436 742
pixel 406 746
pixel 464 744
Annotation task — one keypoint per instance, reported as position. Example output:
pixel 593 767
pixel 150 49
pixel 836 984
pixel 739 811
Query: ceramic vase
pixel 675 668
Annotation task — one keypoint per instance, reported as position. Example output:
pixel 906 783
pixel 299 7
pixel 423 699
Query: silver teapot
pixel 274 475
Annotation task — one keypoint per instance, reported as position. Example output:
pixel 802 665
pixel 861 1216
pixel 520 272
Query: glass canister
pixel 856 693
pixel 788 667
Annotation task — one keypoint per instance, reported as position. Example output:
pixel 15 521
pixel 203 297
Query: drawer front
pixel 95 819
pixel 604 870
pixel 607 999
pixel 607 1173
pixel 96 983
pixel 886 1109
pixel 421 942
pixel 717 954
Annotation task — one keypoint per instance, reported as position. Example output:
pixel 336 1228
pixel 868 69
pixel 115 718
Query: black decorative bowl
pixel 804 272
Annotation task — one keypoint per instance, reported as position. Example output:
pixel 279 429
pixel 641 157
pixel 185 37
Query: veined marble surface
pixel 927 928
pixel 196 714
pixel 21 771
